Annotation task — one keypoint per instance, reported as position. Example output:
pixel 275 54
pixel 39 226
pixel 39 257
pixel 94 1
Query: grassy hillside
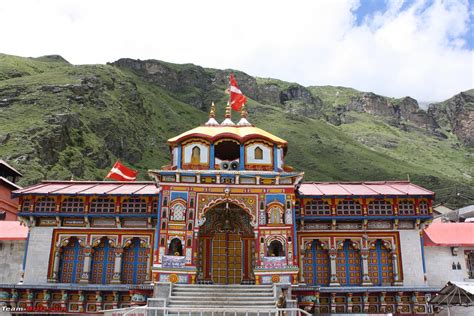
pixel 59 120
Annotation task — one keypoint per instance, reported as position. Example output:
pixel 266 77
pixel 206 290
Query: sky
pixel 418 48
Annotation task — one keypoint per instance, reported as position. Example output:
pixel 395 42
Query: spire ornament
pixel 212 116
pixel 243 121
pixel 228 120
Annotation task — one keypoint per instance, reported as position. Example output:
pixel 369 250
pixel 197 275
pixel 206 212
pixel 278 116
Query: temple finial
pixel 212 116
pixel 228 120
pixel 243 121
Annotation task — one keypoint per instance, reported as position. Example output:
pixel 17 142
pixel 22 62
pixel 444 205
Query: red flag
pixel 121 173
pixel 237 99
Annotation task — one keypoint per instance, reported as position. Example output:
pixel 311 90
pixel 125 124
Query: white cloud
pixel 417 52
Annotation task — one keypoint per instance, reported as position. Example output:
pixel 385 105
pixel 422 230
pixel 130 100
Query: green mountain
pixel 59 121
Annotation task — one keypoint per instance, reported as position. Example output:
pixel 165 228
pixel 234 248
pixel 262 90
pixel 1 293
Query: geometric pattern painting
pixel 72 260
pixel 380 264
pixel 134 263
pixel 102 263
pixel 316 265
pixel 348 265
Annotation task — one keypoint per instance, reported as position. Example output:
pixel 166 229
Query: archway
pixel 226 246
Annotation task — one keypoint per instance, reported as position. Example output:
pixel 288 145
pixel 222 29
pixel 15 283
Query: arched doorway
pixel 226 246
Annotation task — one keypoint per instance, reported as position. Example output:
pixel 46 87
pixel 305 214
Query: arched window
pixel 380 264
pixel 380 208
pixel 275 249
pixel 196 155
pixel 72 205
pixel 317 207
pixel 175 248
pixel 274 215
pixel 316 265
pixel 134 205
pixel 25 207
pixel 423 206
pixel 406 208
pixel 71 262
pixel 102 262
pixel 348 264
pixel 178 212
pixel 134 263
pixel 45 204
pixel 258 153
pixel 102 205
pixel 349 207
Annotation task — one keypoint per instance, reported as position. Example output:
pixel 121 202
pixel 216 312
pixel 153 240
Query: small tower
pixel 212 116
pixel 228 120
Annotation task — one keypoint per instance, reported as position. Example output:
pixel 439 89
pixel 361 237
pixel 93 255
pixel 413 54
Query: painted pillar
pixel 148 265
pixel 275 158
pixel 364 254
pixel 332 255
pixel 57 257
pixel 396 275
pixel 116 278
pixel 212 159
pixel 180 149
pixel 242 157
pixel 301 256
pixel 87 265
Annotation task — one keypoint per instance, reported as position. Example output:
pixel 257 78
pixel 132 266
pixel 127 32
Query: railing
pixel 199 311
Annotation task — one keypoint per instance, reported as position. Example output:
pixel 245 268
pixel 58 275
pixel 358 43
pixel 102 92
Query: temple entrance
pixel 226 246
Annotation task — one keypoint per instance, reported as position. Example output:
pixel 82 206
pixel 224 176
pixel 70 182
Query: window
pixel 175 248
pixel 317 207
pixel 102 262
pixel 72 205
pixel 102 205
pixel 258 153
pixel 134 205
pixel 134 263
pixel 275 249
pixel 274 215
pixel 45 204
pixel 196 155
pixel 406 208
pixel 25 207
pixel 316 264
pixel 348 264
pixel 380 264
pixel 3 215
pixel 71 263
pixel 178 212
pixel 349 208
pixel 423 206
pixel 380 208
pixel 470 264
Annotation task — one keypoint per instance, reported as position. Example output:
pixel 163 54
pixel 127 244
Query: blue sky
pixel 418 48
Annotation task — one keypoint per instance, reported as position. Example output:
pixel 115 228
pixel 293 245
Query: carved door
pixel 226 258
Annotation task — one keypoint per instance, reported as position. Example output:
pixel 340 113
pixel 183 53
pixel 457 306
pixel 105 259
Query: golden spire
pixel 243 121
pixel 212 116
pixel 228 120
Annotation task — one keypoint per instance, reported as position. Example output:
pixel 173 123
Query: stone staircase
pixel 251 297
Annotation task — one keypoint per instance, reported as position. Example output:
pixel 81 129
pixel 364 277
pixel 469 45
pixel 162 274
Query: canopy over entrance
pixel 455 294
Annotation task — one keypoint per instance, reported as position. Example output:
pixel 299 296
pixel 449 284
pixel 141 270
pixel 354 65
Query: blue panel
pixel 105 262
pixel 242 157
pixel 26 250
pixel 422 244
pixel 179 195
pixel 272 197
pixel 180 149
pixel 76 260
pixel 212 160
pixel 158 222
pixel 136 248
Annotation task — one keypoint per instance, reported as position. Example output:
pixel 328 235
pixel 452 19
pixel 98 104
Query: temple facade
pixel 226 210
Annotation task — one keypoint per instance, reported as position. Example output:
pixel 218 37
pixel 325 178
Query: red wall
pixel 7 203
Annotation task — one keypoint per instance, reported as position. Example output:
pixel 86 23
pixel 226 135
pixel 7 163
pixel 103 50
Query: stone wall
pixel 37 260
pixel 11 260
pixel 439 265
pixel 412 262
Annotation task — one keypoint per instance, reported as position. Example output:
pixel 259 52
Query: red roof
pixel 449 234
pixel 91 188
pixel 12 230
pixel 361 188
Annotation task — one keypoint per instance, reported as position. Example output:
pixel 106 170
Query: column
pixel 116 278
pixel 396 275
pixel 301 256
pixel 212 160
pixel 57 257
pixel 148 266
pixel 364 254
pixel 332 255
pixel 87 265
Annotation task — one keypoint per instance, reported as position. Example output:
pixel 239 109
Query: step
pixel 215 300
pixel 225 295
pixel 189 289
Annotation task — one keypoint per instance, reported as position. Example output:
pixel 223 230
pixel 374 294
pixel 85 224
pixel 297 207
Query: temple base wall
pixel 439 265
pixel 412 261
pixel 37 260
pixel 11 259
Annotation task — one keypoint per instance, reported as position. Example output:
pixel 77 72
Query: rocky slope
pixel 59 120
